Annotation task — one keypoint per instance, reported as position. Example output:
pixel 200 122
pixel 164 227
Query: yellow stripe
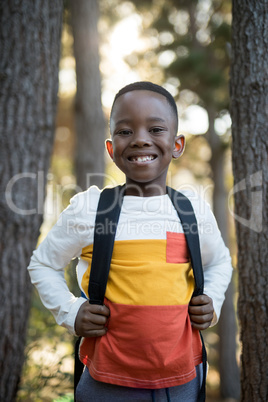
pixel 140 275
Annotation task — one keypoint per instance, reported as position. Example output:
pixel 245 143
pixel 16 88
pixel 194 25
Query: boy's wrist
pixel 72 314
pixel 214 320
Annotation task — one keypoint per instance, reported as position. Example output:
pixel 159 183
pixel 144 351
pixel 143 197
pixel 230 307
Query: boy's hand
pixel 91 320
pixel 201 311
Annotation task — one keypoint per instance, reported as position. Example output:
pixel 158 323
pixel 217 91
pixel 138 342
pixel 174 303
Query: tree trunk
pixel 249 88
pixel 228 367
pixel 229 372
pixel 90 123
pixel 30 34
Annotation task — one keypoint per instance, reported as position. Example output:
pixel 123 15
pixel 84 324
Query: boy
pixel 143 343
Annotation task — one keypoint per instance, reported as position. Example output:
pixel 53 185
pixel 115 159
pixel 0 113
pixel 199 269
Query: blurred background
pixel 106 44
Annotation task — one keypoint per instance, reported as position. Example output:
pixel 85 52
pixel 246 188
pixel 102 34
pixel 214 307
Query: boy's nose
pixel 141 139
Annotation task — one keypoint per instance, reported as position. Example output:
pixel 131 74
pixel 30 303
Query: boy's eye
pixel 124 132
pixel 155 130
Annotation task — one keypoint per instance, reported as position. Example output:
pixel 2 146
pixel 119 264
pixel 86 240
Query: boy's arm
pixel 47 266
pixel 215 256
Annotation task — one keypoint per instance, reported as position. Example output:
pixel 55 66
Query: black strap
pixel 78 365
pixel 202 391
pixel 187 217
pixel 107 216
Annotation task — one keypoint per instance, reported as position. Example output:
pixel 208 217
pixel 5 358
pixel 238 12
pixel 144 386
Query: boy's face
pixel 144 139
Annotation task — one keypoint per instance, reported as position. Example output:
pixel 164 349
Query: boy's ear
pixel 179 146
pixel 109 148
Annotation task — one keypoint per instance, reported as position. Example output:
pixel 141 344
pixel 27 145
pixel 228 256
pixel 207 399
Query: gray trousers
pixel 89 390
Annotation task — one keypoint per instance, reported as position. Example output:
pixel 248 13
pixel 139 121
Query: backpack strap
pixel 107 217
pixel 187 217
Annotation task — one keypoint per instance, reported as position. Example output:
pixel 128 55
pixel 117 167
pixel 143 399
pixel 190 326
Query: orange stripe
pixel 145 346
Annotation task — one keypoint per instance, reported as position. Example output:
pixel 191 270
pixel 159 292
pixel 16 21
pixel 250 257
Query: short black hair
pixel 149 86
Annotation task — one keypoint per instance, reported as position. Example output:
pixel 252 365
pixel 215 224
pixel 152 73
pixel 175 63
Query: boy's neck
pixel 145 190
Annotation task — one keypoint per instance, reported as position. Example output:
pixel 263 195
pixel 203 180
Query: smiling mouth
pixel 142 158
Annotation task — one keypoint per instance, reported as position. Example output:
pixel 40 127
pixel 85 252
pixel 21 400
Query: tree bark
pixel 249 89
pixel 90 123
pixel 30 34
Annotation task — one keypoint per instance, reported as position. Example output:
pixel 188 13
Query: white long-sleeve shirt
pixel 140 218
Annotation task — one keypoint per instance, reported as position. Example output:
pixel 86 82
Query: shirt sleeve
pixel 215 257
pixel 47 265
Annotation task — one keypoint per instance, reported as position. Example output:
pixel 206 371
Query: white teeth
pixel 142 158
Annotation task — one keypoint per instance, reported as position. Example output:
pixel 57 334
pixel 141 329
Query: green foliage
pixel 143 3
pixel 202 77
pixel 200 36
pixel 66 398
pixel 162 23
pixel 48 369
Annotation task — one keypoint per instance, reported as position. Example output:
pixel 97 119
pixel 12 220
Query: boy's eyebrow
pixel 122 121
pixel 149 119
pixel 154 118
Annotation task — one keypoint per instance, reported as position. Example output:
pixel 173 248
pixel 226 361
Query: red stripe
pixel 145 347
